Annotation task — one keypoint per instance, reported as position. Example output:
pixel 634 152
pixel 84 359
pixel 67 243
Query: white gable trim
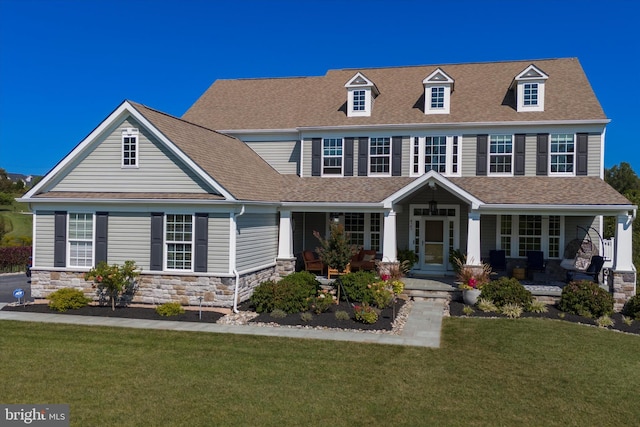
pixel 125 109
pixel 532 73
pixel 438 77
pixel 436 178
pixel 360 81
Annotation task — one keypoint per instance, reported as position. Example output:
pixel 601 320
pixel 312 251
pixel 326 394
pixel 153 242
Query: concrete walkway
pixel 422 327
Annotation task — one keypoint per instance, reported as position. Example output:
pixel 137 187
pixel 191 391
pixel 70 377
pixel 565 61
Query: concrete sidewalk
pixel 422 327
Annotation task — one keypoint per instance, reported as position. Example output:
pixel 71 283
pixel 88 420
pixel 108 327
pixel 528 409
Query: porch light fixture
pixel 433 205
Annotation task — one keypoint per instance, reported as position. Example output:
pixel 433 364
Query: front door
pixel 431 243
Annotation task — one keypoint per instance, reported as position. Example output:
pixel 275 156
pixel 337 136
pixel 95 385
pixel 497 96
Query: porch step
pixel 419 294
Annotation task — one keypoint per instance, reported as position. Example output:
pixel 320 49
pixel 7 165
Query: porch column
pixel 389 244
pixel 473 239
pixel 285 237
pixel 623 254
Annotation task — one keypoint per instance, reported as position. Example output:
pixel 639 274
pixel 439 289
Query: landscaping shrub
pixel 354 286
pixel 292 294
pixel 67 298
pixel 321 302
pixel 14 258
pixel 381 294
pixel 585 298
pixel 365 314
pixel 632 307
pixel 506 291
pixel 169 309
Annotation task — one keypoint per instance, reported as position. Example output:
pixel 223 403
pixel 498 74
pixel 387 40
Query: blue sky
pixel 65 64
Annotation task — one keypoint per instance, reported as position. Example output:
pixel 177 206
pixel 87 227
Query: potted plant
pixel 472 278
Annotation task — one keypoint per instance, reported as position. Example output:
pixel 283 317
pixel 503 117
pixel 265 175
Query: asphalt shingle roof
pixel 481 94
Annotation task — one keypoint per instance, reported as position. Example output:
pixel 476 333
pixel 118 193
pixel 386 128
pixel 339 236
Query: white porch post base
pixel 473 239
pixel 389 245
pixel 623 253
pixel 285 236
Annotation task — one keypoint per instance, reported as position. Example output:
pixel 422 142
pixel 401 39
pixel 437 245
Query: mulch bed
pixel 455 309
pixel 328 318
pixel 323 320
pixel 122 312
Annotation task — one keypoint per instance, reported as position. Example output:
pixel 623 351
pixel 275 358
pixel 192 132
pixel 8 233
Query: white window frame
pixel 438 97
pixel 371 156
pixel 545 237
pixel 167 242
pixel 490 155
pixel 341 157
pixel 130 133
pixel 369 225
pixel 452 167
pixel 88 263
pixel 352 112
pixel 530 94
pixel 551 155
pixel 436 80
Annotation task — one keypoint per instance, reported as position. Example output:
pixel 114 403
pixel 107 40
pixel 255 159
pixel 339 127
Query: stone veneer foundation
pixel 622 286
pixel 160 288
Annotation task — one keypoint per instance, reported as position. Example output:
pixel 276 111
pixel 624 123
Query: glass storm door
pixel 430 243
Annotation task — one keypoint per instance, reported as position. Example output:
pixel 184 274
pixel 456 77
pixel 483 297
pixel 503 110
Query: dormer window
pixel 360 95
pixel 437 92
pixel 529 87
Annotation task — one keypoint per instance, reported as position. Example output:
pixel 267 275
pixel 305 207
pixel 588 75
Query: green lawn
pixel 17 222
pixel 488 372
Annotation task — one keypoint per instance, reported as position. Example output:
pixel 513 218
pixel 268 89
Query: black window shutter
pixel 202 240
pixel 316 156
pixel 582 147
pixel 348 156
pixel 363 156
pixel 102 226
pixel 481 159
pixel 157 240
pixel 60 240
pixel 519 154
pixel 396 156
pixel 542 154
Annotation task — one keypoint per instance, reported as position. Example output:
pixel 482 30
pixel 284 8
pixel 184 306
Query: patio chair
pixel 591 273
pixel 498 260
pixel 535 262
pixel 312 262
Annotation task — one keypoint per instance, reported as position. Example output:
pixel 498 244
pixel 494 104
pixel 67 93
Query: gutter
pixel 235 267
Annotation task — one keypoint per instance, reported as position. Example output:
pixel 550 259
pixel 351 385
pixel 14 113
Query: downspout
pixel 235 261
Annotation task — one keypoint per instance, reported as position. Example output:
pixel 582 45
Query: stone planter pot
pixel 470 296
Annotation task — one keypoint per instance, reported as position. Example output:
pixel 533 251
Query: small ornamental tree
pixel 113 280
pixel 336 252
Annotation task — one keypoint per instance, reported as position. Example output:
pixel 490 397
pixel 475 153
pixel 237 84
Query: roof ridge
pixel 133 103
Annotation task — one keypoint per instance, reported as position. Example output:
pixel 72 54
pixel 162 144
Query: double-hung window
pixel 437 153
pixel 437 97
pixel 80 237
pixel 364 229
pixel 130 148
pixel 501 154
pixel 530 92
pixel 519 234
pixel 379 156
pixel 359 100
pixel 562 152
pixel 179 242
pixel 332 156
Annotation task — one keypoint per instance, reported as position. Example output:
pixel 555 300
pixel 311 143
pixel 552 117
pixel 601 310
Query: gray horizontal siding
pixel 218 250
pixel 406 155
pixel 257 240
pixel 530 154
pixel 468 155
pixel 571 230
pixel 129 238
pixel 283 156
pixel 593 157
pixel 306 156
pixel 488 230
pixel 159 170
pixel 44 238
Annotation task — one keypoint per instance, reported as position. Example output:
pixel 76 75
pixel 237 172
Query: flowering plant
pixel 321 302
pixel 365 313
pixel 113 280
pixel 473 276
